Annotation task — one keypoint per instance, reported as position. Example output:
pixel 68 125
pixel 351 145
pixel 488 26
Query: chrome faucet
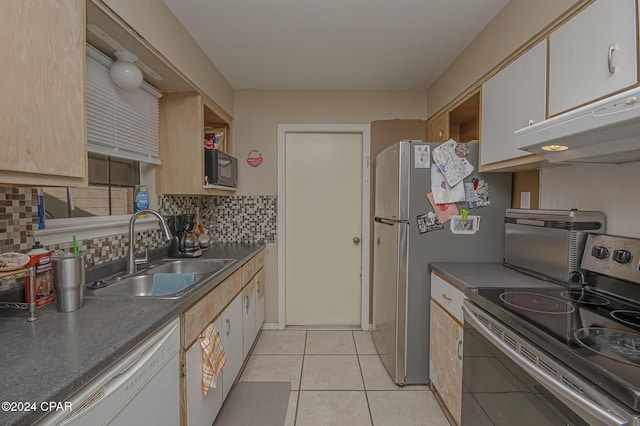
pixel 131 256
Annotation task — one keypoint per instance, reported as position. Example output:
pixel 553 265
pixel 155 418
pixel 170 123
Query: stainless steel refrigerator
pixel 401 278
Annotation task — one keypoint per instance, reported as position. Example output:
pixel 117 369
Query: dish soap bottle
pixel 140 199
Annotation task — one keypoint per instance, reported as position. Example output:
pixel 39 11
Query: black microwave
pixel 220 168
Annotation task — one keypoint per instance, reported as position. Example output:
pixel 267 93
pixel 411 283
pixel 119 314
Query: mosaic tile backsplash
pixel 18 217
pixel 229 219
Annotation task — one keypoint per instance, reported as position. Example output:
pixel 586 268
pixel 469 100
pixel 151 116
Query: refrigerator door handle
pixel 389 222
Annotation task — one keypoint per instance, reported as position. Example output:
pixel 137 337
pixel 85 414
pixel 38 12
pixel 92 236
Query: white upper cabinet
pixel 593 54
pixel 511 100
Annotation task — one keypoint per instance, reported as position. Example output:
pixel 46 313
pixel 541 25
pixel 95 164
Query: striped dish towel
pixel 213 357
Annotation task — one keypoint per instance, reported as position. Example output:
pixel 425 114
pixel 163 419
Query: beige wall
pixel 155 22
pixel 517 22
pixel 258 113
pixel 601 187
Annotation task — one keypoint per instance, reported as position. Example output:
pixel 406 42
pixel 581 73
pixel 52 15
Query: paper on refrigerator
pixel 443 211
pixel 470 225
pixel 443 193
pixel 453 167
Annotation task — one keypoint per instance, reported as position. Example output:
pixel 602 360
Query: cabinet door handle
pixel 460 350
pixel 228 326
pixel 612 66
pixel 447 298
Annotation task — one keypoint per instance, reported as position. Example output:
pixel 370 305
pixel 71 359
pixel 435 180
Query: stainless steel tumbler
pixel 68 281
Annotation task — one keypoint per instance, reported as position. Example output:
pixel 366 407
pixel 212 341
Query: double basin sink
pixel 146 283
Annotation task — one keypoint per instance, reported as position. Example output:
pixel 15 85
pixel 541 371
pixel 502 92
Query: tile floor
pixel 337 379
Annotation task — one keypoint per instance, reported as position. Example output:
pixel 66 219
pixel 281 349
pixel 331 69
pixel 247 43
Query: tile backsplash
pixel 229 219
pixel 233 219
pixel 18 218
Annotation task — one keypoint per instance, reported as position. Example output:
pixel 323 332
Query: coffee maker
pixel 184 242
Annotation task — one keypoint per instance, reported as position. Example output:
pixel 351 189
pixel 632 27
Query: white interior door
pixel 323 214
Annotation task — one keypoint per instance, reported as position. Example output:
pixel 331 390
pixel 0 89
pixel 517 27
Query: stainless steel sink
pixel 141 284
pixel 185 266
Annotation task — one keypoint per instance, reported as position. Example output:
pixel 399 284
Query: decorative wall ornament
pixel 254 161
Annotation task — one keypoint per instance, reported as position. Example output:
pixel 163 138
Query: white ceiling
pixel 333 44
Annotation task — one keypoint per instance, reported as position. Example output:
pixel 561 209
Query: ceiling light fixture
pixel 125 72
pixel 555 148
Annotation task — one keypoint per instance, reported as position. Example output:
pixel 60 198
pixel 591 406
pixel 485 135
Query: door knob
pixel 356 240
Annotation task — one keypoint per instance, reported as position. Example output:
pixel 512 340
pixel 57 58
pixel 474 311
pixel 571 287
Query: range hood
pixel 606 131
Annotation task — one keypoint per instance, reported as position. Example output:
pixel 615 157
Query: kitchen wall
pixel 607 187
pixel 258 113
pixel 517 22
pixel 237 219
pixel 18 220
pixel 154 21
pixel 256 119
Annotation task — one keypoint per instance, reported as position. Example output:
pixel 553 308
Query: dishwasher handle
pixel 582 401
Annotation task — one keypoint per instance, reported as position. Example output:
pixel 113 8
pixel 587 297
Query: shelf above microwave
pixel 221 187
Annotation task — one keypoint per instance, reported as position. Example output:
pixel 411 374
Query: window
pixel 123 145
pixel 111 188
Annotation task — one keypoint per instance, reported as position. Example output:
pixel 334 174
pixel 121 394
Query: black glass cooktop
pixel 596 334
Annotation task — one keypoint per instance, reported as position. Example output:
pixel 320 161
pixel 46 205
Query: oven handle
pixel 601 413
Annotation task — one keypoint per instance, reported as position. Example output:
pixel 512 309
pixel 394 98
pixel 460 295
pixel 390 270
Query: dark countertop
pixel 474 275
pixel 53 357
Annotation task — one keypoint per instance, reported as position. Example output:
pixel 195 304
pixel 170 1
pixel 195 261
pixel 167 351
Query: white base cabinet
pixel 203 410
pixel 445 344
pixel 232 342
pixel 259 294
pixel 239 314
pixel 200 410
pixel 248 317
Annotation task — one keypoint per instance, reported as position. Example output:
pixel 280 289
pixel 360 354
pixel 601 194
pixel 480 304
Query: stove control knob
pixel 599 252
pixel 621 256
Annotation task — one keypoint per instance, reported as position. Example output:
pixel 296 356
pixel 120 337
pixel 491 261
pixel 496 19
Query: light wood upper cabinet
pixel 459 123
pixel 583 52
pixel 511 100
pixel 42 113
pixel 438 128
pixel 183 117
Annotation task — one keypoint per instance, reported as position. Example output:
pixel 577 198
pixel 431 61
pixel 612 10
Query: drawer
pixel 248 271
pixel 449 297
pixel 259 260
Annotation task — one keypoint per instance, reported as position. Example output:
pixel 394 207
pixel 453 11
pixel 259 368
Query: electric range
pixel 586 338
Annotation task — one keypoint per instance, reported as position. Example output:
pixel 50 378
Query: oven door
pixel 508 381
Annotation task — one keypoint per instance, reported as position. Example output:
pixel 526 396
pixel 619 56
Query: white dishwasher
pixel 141 388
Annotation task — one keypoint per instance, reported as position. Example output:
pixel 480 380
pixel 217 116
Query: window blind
pixel 120 123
